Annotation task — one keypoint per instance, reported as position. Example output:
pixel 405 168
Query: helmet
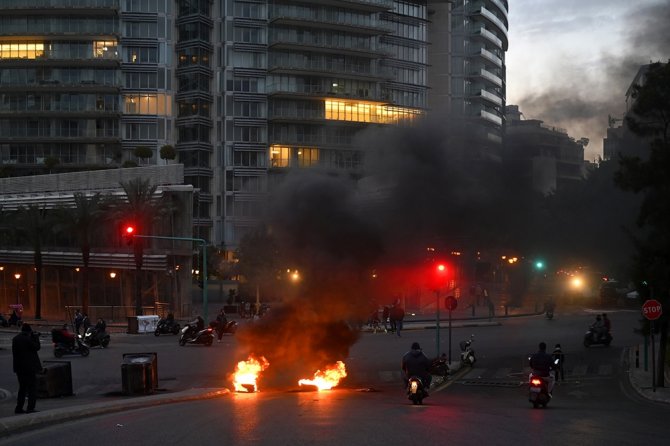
pixel 416 346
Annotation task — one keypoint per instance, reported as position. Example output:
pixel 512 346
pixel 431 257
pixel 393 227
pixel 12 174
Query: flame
pixel 247 373
pixel 327 379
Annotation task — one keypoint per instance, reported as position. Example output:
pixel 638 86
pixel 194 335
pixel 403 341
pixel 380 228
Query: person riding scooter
pixel 542 365
pixel 416 363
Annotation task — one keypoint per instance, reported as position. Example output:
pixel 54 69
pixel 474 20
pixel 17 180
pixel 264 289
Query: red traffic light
pixel 441 268
pixel 128 233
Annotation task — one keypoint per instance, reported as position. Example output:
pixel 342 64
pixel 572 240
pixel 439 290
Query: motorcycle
pixel 229 327
pixel 190 335
pixel 415 390
pixel 93 338
pixel 467 352
pixel 538 388
pixel 591 338
pixel 64 346
pixel 439 368
pixel 166 326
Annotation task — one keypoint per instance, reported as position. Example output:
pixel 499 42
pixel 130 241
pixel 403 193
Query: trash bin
pixel 139 373
pixel 56 380
pixel 132 325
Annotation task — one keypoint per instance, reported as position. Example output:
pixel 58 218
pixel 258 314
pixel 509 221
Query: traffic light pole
pixel 437 325
pixel 204 263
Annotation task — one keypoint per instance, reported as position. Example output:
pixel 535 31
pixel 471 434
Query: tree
pixel 141 207
pixel 650 119
pixel 82 222
pixel 257 258
pixel 168 152
pixel 34 226
pixel 143 152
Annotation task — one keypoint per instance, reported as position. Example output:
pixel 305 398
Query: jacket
pixel 415 363
pixel 24 351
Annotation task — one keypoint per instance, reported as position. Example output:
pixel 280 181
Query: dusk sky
pixel 570 62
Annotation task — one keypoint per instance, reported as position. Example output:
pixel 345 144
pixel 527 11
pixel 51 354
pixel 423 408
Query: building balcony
pixel 487 35
pixel 488 56
pixel 371 29
pixel 487 96
pixel 484 74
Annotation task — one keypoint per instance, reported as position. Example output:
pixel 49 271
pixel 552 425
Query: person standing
pixel 26 366
pixel 221 322
pixel 78 319
pixel 558 354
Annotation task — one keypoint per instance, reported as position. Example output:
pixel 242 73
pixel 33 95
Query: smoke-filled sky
pixel 570 62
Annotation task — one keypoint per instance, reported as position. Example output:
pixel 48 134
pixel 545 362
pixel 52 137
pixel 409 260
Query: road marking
pixel 474 373
pixel 502 373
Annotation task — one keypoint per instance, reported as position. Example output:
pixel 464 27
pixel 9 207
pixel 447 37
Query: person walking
pixel 26 366
pixel 397 316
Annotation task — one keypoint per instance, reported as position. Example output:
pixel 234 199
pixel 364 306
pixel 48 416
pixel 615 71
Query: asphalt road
pixel 486 403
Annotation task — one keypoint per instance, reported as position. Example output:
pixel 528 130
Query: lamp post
pixel 17 276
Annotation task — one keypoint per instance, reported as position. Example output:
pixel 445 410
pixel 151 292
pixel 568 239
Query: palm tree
pixel 34 226
pixel 142 208
pixel 83 220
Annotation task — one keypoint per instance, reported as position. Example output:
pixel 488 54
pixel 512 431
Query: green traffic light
pixel 539 264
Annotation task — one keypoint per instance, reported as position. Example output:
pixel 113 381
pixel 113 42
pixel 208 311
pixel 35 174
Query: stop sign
pixel 652 309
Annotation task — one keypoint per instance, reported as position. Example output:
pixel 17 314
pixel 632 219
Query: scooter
pixel 63 346
pixel 439 368
pixel 538 388
pixel 93 339
pixel 189 335
pixel 538 391
pixel 591 338
pixel 230 327
pixel 467 352
pixel 166 326
pixel 415 390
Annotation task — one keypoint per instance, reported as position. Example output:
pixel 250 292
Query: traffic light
pixel 128 233
pixel 438 275
pixel 539 264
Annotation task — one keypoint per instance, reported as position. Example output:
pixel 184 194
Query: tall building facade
pixel 244 90
pixel 478 44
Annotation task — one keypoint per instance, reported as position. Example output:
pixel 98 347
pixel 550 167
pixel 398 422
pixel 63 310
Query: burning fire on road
pixel 328 378
pixel 245 378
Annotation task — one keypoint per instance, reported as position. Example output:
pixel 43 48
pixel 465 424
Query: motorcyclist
pixel 68 336
pixel 416 363
pixel 197 324
pixel 542 365
pixel 99 328
pixel 598 328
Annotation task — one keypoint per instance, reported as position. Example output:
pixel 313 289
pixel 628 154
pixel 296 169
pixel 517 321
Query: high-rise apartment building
pixel 244 90
pixel 478 44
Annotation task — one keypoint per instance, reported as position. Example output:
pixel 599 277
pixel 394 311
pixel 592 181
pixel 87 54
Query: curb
pixel 26 422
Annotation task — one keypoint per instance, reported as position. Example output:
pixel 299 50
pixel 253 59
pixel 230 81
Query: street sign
pixel 652 309
pixel 450 302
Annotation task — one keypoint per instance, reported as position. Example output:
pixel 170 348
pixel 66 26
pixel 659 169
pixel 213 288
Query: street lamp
pixel 4 283
pixel 17 276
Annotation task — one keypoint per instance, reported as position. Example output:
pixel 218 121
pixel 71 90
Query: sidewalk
pixel 641 380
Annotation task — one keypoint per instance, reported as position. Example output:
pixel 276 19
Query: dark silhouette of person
pixel 78 319
pixel 221 322
pixel 558 354
pixel 416 363
pixel 27 364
